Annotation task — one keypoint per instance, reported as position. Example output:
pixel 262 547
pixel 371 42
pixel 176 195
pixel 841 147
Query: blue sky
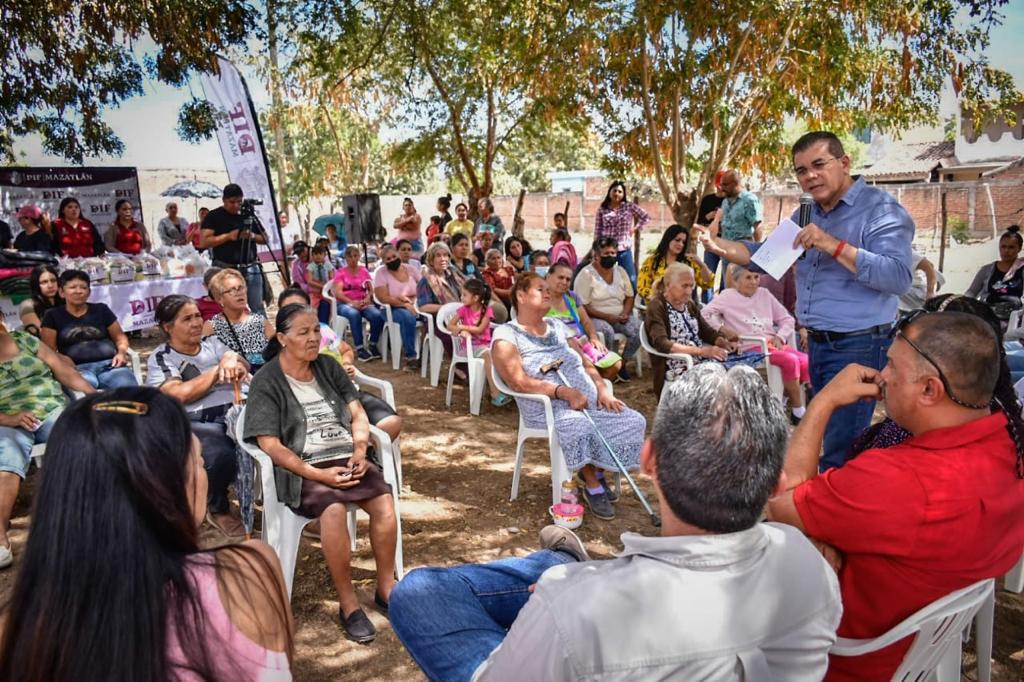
pixel 147 124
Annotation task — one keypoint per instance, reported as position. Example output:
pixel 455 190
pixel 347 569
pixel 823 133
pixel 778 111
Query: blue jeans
pixel 711 260
pixel 1015 359
pixel 355 317
pixel 102 376
pixel 16 444
pixel 407 327
pixel 625 259
pixel 451 619
pixel 219 460
pixel 827 359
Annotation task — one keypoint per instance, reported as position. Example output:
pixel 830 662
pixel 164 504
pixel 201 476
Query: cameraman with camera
pixel 233 234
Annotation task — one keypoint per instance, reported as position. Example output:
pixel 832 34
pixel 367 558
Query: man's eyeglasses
pixel 897 331
pixel 817 166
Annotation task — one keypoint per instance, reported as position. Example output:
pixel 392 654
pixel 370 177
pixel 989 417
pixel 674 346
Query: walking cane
pixel 555 366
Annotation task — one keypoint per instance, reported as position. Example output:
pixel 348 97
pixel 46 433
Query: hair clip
pixel 122 407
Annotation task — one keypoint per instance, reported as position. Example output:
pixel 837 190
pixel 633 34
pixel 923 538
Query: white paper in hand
pixel 777 254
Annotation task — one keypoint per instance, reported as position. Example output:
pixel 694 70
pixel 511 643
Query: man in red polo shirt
pixel 910 524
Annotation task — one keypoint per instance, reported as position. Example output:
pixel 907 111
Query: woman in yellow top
pixel 461 224
pixel 672 248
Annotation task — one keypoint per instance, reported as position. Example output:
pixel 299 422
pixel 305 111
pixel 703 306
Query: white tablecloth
pixel 134 303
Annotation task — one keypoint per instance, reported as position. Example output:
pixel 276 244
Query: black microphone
pixel 804 216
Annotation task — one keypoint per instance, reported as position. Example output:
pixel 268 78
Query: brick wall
pixel 968 201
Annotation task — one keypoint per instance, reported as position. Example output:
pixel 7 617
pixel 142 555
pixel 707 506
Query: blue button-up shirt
pixel 831 298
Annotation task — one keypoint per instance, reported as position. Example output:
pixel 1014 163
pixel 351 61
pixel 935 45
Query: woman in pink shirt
pixel 352 288
pixel 409 226
pixel 749 310
pixel 113 583
pixel 394 284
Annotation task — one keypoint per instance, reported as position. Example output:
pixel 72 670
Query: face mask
pixel 542 270
pixel 394 264
pixel 608 261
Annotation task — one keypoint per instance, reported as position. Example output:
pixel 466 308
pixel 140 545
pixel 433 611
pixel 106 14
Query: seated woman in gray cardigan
pixel 304 413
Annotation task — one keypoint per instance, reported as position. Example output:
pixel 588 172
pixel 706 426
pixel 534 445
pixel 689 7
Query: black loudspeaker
pixel 362 218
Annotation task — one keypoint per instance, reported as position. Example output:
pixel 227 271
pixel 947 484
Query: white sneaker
pixel 6 557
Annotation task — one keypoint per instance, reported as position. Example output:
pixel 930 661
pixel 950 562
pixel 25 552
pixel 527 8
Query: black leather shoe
pixel 358 627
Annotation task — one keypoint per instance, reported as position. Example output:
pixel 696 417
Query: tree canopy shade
pixel 65 61
pixel 691 87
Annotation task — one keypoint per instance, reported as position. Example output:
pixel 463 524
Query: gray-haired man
pixel 719 595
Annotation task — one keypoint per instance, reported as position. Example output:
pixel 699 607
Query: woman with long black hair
pixel 45 295
pixel 673 248
pixel 113 585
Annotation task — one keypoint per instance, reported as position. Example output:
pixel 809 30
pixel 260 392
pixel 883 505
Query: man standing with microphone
pixel 234 245
pixel 857 265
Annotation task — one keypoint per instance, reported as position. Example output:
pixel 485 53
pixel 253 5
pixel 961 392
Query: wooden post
pixel 942 240
pixel 518 224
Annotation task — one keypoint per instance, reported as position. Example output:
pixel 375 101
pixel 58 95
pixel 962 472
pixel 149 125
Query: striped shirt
pixel 618 223
pixel 165 364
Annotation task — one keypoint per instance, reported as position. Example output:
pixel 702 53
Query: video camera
pixel 249 206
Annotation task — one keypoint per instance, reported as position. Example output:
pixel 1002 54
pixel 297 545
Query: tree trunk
pixel 278 106
pixel 518 224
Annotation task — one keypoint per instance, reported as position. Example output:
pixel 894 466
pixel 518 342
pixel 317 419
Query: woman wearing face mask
pixel 540 262
pixel 606 292
pixel 36 231
pixel 395 285
pixel 672 249
pixel 127 235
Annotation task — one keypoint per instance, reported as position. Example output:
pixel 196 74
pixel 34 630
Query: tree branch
pixel 651 123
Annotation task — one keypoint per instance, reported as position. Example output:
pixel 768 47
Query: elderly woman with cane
pixel 522 349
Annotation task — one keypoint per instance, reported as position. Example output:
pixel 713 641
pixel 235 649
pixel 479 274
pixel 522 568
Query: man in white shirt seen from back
pixel 717 596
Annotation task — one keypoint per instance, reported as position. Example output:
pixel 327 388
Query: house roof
pixel 910 161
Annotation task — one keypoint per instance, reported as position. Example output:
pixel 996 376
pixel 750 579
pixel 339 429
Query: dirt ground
pixel 455 508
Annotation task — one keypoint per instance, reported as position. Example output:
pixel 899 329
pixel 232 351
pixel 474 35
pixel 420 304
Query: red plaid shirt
pixel 619 223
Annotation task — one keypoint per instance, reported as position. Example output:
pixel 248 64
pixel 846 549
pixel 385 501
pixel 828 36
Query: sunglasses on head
pixel 898 330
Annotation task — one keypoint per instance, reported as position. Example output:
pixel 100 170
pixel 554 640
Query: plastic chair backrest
pixel 938 626
pixel 444 315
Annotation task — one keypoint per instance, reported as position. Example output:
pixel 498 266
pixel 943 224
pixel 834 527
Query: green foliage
pixel 959 230
pixel 687 81
pixel 66 62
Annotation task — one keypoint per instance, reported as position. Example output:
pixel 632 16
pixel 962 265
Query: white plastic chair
pixel 474 365
pixel 940 628
pixel 559 469
pixel 774 374
pixel 1015 326
pixel 337 322
pixel 1014 580
pixel 645 344
pixel 391 339
pixel 282 527
pixel 387 394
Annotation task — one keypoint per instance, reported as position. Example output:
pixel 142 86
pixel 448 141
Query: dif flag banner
pixel 241 144
pixel 97 191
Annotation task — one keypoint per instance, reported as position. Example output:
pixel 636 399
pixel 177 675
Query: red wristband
pixel 839 249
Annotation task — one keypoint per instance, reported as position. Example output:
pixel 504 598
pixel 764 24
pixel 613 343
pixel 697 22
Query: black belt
pixel 828 337
pixel 225 264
